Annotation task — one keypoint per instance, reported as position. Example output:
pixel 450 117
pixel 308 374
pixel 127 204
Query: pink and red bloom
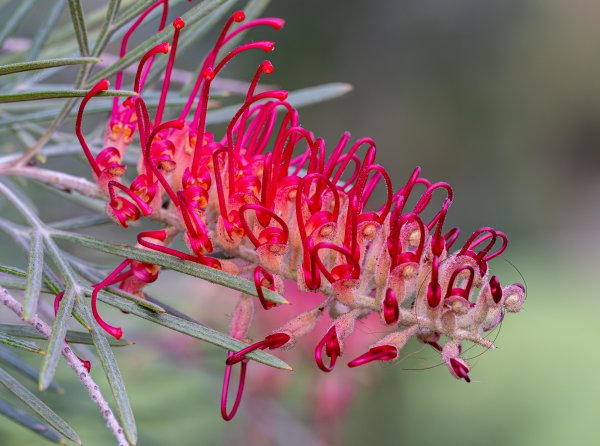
pixel 268 194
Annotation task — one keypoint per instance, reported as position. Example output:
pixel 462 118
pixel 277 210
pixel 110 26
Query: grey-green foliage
pixel 73 35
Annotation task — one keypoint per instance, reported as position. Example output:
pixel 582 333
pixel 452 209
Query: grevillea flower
pixel 267 194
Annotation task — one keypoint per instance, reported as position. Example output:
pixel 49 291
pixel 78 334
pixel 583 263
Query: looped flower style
pixel 267 199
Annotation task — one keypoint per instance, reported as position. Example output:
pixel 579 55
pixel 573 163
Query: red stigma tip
pixel 239 16
pixel 103 84
pixel 270 46
pixel 164 47
pixel 281 95
pixel 86 364
pixel 267 67
pixel 208 74
pixel 278 23
pixel 178 23
pixel 115 332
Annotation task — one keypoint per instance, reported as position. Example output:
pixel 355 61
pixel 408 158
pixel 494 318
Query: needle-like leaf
pixel 79 26
pixel 34 274
pixel 19 343
pixel 195 330
pixel 113 375
pixel 38 406
pixel 57 339
pixel 47 63
pixel 184 266
pixel 54 94
pixel 20 417
pixel 73 337
pixel 11 360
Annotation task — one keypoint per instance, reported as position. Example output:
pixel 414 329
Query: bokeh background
pixel 500 98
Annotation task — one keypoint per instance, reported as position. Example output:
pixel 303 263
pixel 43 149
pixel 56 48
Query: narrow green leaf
pixel 64 33
pixel 92 108
pixel 38 406
pixel 13 282
pixel 47 63
pixel 19 343
pixel 85 221
pixel 113 376
pixel 72 337
pixel 191 17
pixel 12 271
pixel 79 26
pixel 190 268
pixel 104 35
pixel 57 338
pixel 298 98
pixel 41 36
pixel 12 22
pixel 34 274
pixel 29 422
pixel 14 362
pixel 197 331
pixel 53 94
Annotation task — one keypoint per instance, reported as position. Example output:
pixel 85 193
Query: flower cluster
pixel 274 198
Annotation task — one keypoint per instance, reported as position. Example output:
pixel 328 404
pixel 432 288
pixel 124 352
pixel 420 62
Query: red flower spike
pixel 379 353
pixel 101 86
pixel 391 310
pixel 111 279
pixel 228 416
pixel 332 350
pixel 495 289
pixel 271 342
pixel 268 281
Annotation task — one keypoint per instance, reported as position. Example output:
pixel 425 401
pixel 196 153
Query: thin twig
pixel 75 364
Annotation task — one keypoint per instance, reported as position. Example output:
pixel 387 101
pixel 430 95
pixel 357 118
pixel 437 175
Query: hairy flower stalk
pixel 269 194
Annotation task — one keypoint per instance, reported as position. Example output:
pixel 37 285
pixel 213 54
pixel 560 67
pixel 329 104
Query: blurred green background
pixel 500 98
